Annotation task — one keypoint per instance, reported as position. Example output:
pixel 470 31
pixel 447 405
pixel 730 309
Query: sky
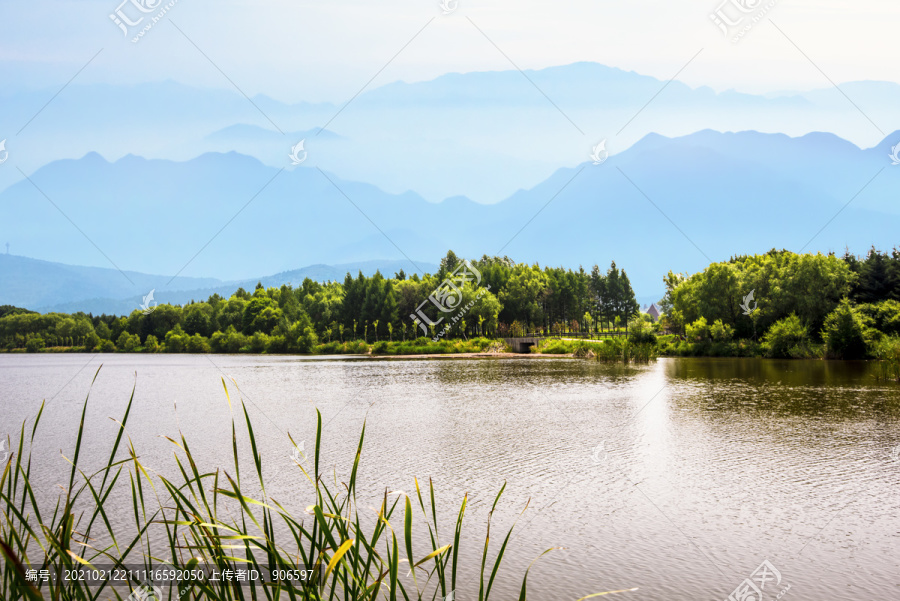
pixel 331 50
pixel 326 50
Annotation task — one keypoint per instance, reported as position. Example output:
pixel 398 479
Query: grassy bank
pixel 674 346
pixel 208 518
pixel 610 350
pixel 265 345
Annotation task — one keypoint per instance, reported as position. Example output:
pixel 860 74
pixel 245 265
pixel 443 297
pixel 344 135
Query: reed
pixel 209 519
pixel 887 354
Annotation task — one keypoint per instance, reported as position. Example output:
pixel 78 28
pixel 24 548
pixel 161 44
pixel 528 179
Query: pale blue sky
pixel 326 49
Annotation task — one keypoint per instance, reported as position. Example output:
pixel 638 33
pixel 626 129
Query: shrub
pixel 151 345
pixel 641 332
pixel 127 342
pixel 91 341
pixel 307 342
pixel 230 341
pixel 885 316
pixel 847 333
pixel 382 348
pixel 553 346
pixel 610 350
pixel 357 347
pixel 698 331
pixel 197 344
pixel 887 351
pixel 176 340
pixel 107 346
pixel 35 344
pixel 721 332
pixel 258 342
pixel 277 344
pixel 785 335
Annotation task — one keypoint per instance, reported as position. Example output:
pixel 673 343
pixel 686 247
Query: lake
pixel 681 477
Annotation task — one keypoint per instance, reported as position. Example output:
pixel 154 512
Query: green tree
pixel 91 341
pixel 127 342
pixel 198 318
pixel 35 344
pixel 522 295
pixel 261 314
pixel 102 330
pixel 176 340
pixel 151 345
pixel 848 333
pixel 721 332
pixel 786 338
pixel 698 330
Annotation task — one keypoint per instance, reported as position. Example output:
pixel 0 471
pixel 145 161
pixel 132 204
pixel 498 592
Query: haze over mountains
pixel 46 286
pixel 483 135
pixel 162 178
pixel 665 203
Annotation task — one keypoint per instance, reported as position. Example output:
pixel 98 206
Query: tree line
pixel 846 303
pixel 506 298
pixel 780 304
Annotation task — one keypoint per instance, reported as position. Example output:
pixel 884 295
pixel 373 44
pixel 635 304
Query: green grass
pixel 357 347
pixel 355 563
pixel 610 350
pixel 887 353
pixel 425 346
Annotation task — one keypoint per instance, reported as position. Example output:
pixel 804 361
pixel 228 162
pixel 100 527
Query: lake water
pixel 680 477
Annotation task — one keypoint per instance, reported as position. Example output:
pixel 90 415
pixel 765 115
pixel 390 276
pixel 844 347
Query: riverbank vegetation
pixel 778 305
pixel 355 316
pixel 803 306
pixel 218 517
pixel 640 345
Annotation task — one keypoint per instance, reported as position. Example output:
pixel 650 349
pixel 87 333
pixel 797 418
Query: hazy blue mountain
pixel 32 283
pixel 45 286
pixel 729 193
pixel 320 147
pixel 481 134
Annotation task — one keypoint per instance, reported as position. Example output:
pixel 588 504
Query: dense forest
pixel 511 298
pixel 802 306
pixel 809 305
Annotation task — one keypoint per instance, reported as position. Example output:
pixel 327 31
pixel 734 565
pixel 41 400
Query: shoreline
pixel 466 356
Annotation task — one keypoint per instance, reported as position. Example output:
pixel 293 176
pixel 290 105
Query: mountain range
pixel 482 135
pixel 46 287
pixel 663 204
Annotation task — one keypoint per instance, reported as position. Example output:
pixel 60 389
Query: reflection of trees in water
pixel 526 371
pixel 844 388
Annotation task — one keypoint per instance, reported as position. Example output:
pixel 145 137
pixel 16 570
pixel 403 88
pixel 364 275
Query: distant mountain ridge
pixel 478 134
pixel 665 203
pixel 46 287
